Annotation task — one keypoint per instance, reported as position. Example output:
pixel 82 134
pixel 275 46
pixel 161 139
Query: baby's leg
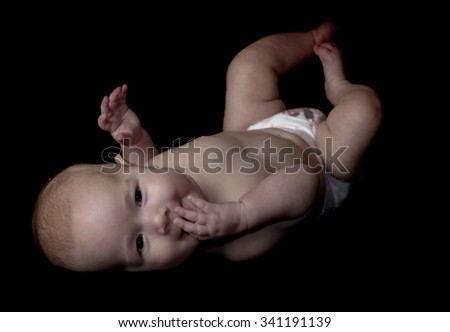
pixel 352 123
pixel 252 78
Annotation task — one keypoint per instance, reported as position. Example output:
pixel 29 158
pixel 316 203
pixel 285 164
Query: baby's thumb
pixel 119 160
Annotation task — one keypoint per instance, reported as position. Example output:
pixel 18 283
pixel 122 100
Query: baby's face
pixel 126 220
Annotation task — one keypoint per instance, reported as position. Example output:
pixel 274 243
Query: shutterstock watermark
pixel 189 158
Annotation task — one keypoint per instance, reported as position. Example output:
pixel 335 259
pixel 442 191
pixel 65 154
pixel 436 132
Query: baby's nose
pixel 159 222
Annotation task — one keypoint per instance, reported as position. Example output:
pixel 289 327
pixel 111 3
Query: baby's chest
pixel 230 186
pixel 245 154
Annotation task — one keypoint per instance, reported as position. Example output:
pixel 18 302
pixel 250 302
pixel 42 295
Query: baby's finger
pixel 198 202
pixel 190 215
pixel 119 159
pixel 104 106
pixel 121 98
pixel 191 228
pixel 103 122
pixel 187 204
pixel 113 97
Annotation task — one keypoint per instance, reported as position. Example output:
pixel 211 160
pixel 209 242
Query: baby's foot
pixel 323 33
pixel 333 69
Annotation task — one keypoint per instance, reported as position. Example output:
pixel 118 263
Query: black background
pixel 384 250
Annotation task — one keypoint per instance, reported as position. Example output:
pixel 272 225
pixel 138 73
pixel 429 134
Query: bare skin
pixel 355 118
pixel 252 78
pixel 352 123
pixel 244 185
pixel 249 208
pixel 125 127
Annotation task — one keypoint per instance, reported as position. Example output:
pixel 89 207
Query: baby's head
pixel 98 217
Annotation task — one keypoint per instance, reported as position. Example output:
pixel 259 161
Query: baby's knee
pixel 371 107
pixel 365 104
pixel 248 60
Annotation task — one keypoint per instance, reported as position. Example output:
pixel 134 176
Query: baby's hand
pixel 204 220
pixel 118 119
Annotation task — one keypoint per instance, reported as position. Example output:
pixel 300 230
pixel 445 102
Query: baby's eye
pixel 140 243
pixel 138 196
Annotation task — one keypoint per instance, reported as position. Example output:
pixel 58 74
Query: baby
pixel 265 172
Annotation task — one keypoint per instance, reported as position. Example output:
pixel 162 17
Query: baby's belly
pixel 252 149
pixel 246 159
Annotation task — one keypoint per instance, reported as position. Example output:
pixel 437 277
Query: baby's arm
pixel 125 127
pixel 281 196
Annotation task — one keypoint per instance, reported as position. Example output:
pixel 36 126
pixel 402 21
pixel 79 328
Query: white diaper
pixel 300 121
pixel 303 122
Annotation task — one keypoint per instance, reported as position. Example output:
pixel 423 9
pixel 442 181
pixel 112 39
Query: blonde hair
pixel 51 220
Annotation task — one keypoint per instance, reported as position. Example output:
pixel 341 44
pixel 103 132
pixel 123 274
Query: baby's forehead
pixel 90 182
pixel 102 179
pixel 103 193
pixel 116 169
pixel 109 177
